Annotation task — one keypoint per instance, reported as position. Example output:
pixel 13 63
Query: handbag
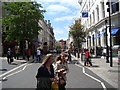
pixel 55 86
pixel 44 83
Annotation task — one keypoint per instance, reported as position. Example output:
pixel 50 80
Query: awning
pixel 114 31
pixel 99 35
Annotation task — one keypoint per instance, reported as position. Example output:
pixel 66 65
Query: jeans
pixel 38 58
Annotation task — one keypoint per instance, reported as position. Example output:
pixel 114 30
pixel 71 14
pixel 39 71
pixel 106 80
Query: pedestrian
pixel 104 52
pixel 9 56
pixel 87 58
pixel 69 55
pixel 28 54
pixel 45 74
pixel 62 69
pixel 38 53
pixel 16 52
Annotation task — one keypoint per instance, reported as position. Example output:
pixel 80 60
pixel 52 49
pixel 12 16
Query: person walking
pixel 62 69
pixel 28 54
pixel 69 55
pixel 16 52
pixel 45 74
pixel 87 60
pixel 38 53
pixel 9 56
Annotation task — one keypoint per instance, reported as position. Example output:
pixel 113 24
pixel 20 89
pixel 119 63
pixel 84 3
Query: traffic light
pixel 108 9
pixel 108 3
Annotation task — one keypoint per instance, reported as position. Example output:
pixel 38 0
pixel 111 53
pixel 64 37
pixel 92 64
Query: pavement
pixel 103 70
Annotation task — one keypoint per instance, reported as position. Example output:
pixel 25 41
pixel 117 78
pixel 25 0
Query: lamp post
pixel 108 10
pixel 107 48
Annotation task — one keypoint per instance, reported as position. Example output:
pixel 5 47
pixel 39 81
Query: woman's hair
pixel 47 57
pixel 59 56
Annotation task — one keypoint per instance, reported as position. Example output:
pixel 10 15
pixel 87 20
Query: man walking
pixel 69 55
pixel 38 55
pixel 9 56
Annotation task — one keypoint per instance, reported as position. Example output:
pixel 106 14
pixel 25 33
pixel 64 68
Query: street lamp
pixel 107 48
pixel 108 10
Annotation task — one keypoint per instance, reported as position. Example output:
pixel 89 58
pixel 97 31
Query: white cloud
pixel 57 8
pixel 64 38
pixel 65 18
pixel 58 31
pixel 67 28
pixel 61 33
pixel 72 3
pixel 45 1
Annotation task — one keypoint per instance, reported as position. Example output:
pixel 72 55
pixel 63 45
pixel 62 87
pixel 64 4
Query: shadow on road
pixel 13 64
pixel 95 66
pixel 3 69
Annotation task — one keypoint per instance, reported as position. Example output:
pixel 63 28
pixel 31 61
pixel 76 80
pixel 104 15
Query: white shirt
pixel 38 52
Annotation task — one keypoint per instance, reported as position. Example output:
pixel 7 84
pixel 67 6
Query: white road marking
pixel 12 70
pixel 17 71
pixel 103 85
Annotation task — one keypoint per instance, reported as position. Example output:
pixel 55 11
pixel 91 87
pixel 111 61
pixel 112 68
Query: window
pixel 103 9
pixel 93 17
pixel 99 41
pixel 97 13
pixel 90 20
pixel 115 7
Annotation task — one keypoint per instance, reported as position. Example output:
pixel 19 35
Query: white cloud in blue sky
pixel 62 14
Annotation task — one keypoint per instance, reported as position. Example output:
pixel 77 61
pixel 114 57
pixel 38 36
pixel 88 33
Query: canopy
pixel 114 31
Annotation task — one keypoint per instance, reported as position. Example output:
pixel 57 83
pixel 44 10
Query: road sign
pixel 84 14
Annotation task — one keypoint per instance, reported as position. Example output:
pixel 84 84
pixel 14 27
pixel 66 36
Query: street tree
pixel 77 33
pixel 22 19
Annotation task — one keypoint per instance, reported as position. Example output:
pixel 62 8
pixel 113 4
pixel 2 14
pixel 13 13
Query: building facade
pixel 46 36
pixel 96 26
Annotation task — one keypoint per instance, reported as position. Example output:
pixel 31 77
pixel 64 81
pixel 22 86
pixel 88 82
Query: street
pixel 78 77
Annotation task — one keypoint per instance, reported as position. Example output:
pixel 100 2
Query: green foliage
pixel 77 32
pixel 58 47
pixel 22 18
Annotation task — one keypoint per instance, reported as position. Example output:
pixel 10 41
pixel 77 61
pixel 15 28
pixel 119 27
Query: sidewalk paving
pixel 103 70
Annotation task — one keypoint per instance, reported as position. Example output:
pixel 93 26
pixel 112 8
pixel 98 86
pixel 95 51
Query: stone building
pixel 95 18
pixel 46 36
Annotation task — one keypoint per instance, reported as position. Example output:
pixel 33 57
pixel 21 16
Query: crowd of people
pixel 15 54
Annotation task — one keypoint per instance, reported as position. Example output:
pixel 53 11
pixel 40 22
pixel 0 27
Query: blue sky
pixel 62 14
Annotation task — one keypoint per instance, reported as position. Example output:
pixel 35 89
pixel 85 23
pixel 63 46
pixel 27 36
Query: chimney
pixel 49 24
pixel 46 21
